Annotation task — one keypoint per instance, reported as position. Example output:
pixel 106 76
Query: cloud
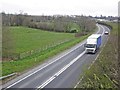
pixel 50 7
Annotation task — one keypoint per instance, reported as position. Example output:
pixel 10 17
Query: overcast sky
pixel 64 7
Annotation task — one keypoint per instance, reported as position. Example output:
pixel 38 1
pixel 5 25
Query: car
pixel 106 32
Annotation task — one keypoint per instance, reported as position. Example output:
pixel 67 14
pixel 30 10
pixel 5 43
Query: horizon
pixel 63 7
pixel 57 14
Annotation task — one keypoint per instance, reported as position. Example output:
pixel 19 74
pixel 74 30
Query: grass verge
pixel 104 72
pixel 21 65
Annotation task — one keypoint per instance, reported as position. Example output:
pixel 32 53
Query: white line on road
pixel 79 82
pixel 48 63
pixel 103 30
pixel 93 60
pixel 45 65
pixel 61 71
pixel 98 28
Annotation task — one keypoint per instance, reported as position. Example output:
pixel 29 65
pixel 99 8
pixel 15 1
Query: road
pixel 61 71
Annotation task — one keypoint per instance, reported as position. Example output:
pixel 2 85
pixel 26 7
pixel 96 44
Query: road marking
pixel 103 30
pixel 93 60
pixel 108 29
pixel 98 28
pixel 79 82
pixel 63 69
pixel 60 72
pixel 88 69
pixel 46 82
pixel 100 51
pixel 46 65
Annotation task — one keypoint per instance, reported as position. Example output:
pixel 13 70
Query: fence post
pixel 31 52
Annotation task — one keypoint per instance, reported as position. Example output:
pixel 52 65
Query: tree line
pixel 57 23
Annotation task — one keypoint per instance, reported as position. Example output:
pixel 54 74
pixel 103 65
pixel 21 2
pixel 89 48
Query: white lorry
pixel 93 43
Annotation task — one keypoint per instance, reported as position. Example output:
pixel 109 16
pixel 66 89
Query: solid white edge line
pixel 60 71
pixel 46 82
pixel 92 61
pixel 46 65
pixel 98 27
pixel 103 30
pixel 79 82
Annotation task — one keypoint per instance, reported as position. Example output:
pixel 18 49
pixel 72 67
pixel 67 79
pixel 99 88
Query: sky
pixel 62 7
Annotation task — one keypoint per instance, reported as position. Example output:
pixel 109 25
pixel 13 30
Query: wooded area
pixel 80 25
pixel 57 23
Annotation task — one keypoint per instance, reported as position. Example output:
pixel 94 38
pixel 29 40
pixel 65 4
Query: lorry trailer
pixel 93 43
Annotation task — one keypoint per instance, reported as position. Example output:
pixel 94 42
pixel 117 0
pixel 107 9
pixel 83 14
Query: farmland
pixel 26 39
pixel 30 40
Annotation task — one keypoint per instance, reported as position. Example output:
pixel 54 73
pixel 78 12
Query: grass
pixel 27 39
pixel 104 72
pixel 23 64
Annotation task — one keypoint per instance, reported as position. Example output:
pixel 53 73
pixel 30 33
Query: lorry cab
pixel 93 43
pixel 90 48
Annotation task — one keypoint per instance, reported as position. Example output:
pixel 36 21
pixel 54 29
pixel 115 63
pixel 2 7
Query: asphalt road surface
pixel 61 71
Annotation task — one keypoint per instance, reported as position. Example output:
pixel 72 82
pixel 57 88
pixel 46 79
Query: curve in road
pixel 62 71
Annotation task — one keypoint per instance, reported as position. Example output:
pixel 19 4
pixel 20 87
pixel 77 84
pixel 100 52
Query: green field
pixel 26 39
pixel 104 72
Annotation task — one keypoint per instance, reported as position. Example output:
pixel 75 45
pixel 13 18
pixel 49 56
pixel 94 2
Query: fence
pixel 4 77
pixel 39 50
